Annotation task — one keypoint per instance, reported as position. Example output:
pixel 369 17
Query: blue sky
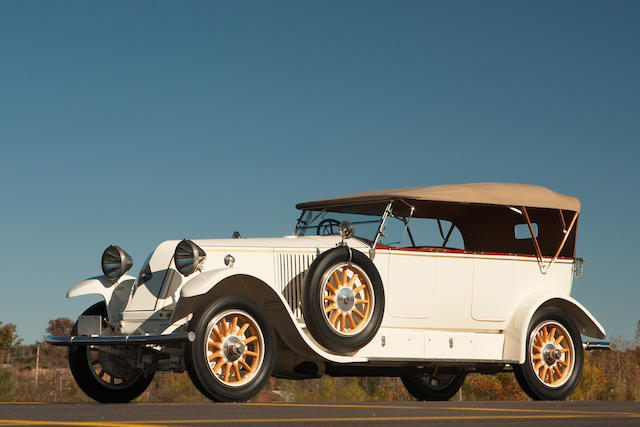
pixel 137 122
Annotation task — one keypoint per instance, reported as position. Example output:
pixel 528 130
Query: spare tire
pixel 343 299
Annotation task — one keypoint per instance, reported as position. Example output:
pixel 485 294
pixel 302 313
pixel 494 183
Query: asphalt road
pixel 324 414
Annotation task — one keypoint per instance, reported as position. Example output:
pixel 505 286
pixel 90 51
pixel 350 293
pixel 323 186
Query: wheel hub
pixel 345 299
pixel 550 354
pixel 233 348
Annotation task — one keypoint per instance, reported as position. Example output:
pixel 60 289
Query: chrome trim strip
pixel 176 338
pixel 599 345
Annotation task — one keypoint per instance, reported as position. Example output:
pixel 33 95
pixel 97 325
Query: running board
pixel 590 346
pixel 177 338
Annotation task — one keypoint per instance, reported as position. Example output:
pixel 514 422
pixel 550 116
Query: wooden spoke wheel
pixel 551 353
pixel 343 299
pixel 111 371
pixel 234 351
pixel 347 299
pixel 102 373
pixel 436 386
pixel 553 358
pixel 235 347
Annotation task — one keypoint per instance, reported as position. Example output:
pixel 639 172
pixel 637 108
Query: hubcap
pixel 552 354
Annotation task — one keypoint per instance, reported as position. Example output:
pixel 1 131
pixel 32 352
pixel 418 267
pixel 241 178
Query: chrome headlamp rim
pixel 115 262
pixel 188 257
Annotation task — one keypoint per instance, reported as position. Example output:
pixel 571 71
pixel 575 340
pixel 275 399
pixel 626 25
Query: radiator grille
pixel 290 271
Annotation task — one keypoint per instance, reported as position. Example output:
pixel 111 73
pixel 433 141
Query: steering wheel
pixel 328 227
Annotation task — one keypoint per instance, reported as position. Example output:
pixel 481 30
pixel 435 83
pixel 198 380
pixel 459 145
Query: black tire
pixel 317 294
pixel 439 387
pixel 92 383
pixel 252 334
pixel 568 349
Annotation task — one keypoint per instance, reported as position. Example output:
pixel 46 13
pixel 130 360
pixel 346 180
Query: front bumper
pixel 164 339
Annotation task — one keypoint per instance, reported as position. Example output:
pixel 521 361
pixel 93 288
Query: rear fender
pixel 516 331
pixel 115 295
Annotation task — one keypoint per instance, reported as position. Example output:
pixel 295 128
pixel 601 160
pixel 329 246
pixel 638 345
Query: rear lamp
pixel 115 262
pixel 188 257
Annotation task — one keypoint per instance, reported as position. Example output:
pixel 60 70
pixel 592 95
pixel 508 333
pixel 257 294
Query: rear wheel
pixel 104 377
pixel 233 354
pixel 441 386
pixel 554 356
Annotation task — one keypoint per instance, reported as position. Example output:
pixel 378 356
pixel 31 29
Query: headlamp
pixel 188 257
pixel 115 262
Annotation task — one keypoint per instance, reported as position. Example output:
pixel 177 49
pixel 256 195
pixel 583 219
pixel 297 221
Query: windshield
pixel 324 223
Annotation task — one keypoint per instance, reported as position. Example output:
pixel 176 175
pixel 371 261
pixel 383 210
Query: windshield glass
pixel 324 223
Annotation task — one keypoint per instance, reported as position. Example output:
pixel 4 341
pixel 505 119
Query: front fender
pixel 115 294
pixel 202 283
pixel 516 331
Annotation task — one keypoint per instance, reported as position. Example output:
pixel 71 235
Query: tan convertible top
pixel 489 193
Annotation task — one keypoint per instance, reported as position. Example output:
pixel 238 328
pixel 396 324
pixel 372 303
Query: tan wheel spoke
pixel 215 332
pixel 234 324
pixel 552 334
pixel 236 370
pixel 344 276
pixel 356 311
pixel 544 373
pixel 334 317
pixel 536 356
pixel 227 372
pixel 557 371
pixel 537 348
pixel 538 366
pixel 336 279
pixel 213 345
pixel 243 329
pixel 558 340
pixel 352 280
pixel 245 366
pixel 329 308
pixel 351 321
pixel 359 288
pixel 565 350
pixel 362 301
pixel 333 290
pixel 562 362
pixel 342 322
pixel 251 353
pixel 218 365
pixel 329 297
pixel 225 330
pixel 250 339
pixel 215 355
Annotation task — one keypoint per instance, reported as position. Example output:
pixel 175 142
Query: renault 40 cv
pixel 427 284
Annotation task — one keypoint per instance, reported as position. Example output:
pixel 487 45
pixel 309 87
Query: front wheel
pixel 233 354
pixel 441 386
pixel 105 377
pixel 554 358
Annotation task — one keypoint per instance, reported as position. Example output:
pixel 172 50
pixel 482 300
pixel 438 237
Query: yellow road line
pixel 22 403
pixel 80 423
pixel 437 408
pixel 412 418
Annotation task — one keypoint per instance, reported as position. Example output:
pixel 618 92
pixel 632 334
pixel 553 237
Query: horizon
pixel 135 123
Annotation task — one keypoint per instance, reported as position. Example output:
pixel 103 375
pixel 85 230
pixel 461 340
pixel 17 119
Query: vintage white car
pixel 427 284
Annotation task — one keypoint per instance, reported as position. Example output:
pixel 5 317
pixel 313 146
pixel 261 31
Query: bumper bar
pixel 177 338
pixel 590 346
